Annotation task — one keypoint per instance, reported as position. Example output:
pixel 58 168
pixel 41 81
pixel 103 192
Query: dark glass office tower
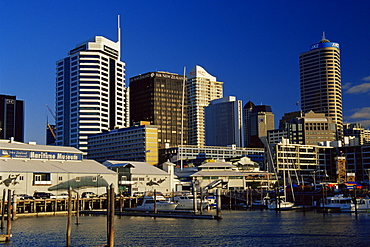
pixel 11 118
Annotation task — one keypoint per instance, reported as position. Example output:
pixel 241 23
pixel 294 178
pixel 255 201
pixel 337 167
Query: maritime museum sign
pixel 4 153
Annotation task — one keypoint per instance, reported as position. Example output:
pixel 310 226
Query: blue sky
pixel 251 46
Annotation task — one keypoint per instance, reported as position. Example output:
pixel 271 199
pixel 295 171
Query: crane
pixel 48 125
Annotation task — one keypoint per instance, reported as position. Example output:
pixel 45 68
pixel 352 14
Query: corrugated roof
pixel 139 168
pixel 217 173
pixel 217 164
pixel 6 144
pixel 85 166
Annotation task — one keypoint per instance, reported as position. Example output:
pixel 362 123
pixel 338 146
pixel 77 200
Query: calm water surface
pixel 237 228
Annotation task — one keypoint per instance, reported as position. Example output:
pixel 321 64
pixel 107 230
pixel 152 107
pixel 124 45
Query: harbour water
pixel 237 228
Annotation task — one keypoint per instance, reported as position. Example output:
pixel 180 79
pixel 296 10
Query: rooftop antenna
pixel 323 35
pixel 119 34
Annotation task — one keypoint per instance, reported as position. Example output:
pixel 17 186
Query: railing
pixel 41 182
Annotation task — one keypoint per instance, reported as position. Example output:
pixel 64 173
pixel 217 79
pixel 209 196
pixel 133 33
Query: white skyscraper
pixel 91 96
pixel 202 88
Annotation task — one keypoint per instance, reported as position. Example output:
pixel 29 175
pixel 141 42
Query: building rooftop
pixel 138 168
pixel 54 166
pixel 12 145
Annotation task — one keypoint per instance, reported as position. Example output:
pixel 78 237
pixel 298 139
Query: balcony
pixel 41 182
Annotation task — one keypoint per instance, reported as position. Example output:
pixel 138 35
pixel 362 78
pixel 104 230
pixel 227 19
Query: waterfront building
pixel 11 118
pixel 357 161
pixel 247 112
pixel 230 177
pixel 262 120
pixel 157 97
pixel 192 155
pixel 91 96
pixel 135 178
pixel 320 82
pixel 136 143
pixel 223 122
pixel 28 168
pixel 297 161
pixel 202 88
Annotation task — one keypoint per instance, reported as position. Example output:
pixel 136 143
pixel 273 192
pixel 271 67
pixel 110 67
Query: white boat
pixel 280 205
pixel 336 203
pixel 363 205
pixel 186 202
pixel 158 201
pixel 339 203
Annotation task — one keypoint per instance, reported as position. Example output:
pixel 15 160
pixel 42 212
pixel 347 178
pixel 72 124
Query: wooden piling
pixel 55 206
pixel 218 200
pixel 155 201
pixel 230 199
pixel 9 220
pixel 78 209
pixel 195 197
pixel 14 207
pixel 3 209
pixel 69 221
pixel 121 202
pixel 111 216
pixel 201 200
pixel 108 213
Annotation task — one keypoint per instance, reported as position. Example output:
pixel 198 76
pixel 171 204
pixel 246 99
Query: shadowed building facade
pixel 262 120
pixel 11 118
pixel 223 121
pixel 157 97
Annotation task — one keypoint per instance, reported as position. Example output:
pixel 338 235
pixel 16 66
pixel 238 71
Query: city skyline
pixel 252 47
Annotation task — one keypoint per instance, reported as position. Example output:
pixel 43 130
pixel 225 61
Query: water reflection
pixel 237 228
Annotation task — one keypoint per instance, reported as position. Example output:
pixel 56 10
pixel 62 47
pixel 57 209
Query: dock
pixel 162 214
pixel 124 207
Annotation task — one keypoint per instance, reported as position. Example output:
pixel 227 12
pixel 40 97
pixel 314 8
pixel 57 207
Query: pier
pixel 124 206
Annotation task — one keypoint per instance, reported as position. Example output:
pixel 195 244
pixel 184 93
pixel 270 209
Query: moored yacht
pixel 158 201
pixel 186 202
pixel 336 203
pixel 281 204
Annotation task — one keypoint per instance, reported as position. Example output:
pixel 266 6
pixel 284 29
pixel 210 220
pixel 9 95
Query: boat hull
pixel 160 206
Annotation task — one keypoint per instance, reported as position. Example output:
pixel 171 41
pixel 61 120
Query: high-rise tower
pixel 262 120
pixel 202 88
pixel 247 111
pixel 157 97
pixel 11 118
pixel 224 123
pixel 91 96
pixel 320 78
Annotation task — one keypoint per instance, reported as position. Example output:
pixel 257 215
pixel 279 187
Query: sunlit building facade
pixel 91 96
pixel 202 88
pixel 320 81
